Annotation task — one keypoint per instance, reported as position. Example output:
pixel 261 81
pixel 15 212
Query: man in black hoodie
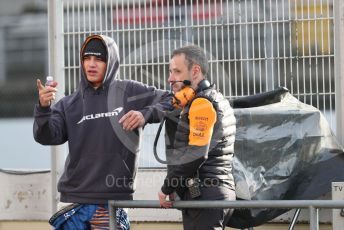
pixel 100 121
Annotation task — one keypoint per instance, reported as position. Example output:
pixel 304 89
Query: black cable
pixel 156 143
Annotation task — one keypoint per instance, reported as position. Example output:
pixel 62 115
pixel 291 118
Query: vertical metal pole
pixel 2 55
pixel 313 218
pixel 112 216
pixel 55 66
pixel 339 66
pixel 51 32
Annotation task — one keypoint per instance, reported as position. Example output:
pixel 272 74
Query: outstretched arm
pixel 49 126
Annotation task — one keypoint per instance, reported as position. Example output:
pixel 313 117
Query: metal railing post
pixel 313 218
pixel 112 211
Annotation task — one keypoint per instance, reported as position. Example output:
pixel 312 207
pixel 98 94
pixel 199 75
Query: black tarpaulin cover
pixel 284 150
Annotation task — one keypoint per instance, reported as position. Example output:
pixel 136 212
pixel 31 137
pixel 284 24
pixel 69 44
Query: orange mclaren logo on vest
pixel 202 117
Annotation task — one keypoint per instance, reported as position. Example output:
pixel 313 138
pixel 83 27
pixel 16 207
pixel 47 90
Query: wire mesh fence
pixel 253 46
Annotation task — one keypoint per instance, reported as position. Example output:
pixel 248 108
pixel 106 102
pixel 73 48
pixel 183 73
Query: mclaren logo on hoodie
pixel 115 112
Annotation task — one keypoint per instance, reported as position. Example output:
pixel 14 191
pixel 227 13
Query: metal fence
pixel 253 46
pixel 312 205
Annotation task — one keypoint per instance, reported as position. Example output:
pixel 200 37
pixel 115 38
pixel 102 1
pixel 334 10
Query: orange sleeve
pixel 202 117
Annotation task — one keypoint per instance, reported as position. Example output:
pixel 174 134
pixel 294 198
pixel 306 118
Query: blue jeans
pixel 90 216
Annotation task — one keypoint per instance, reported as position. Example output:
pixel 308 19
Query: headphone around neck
pixel 186 94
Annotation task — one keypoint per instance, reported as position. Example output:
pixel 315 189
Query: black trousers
pixel 208 219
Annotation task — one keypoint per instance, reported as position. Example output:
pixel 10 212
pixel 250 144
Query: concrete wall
pixel 25 196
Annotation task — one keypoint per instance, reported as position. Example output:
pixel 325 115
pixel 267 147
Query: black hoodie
pixel 102 160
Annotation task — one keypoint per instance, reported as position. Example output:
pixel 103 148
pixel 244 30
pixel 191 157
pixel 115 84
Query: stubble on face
pixel 178 72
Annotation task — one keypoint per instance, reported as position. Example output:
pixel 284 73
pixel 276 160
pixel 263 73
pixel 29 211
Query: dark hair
pixel 194 55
